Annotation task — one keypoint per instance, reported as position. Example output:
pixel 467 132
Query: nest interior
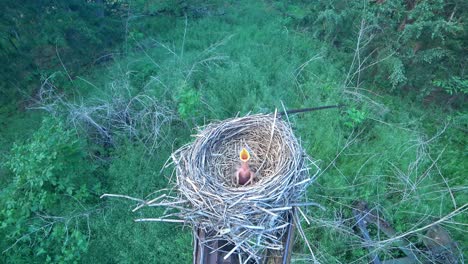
pixel 267 157
pixel 253 217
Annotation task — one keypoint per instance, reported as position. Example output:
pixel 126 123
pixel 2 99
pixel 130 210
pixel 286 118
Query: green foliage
pixel 397 76
pixel 50 175
pixel 416 42
pixel 10 124
pixel 455 85
pixel 188 103
pixel 118 239
pixel 194 8
pixel 134 171
pixel 354 117
pixel 210 60
pixel 43 37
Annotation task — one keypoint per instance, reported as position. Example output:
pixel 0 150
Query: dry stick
pixel 452 214
pixel 159 220
pixel 149 202
pixel 301 232
pixel 387 229
pixel 303 65
pixel 183 40
pixel 122 196
pixel 271 139
pixel 303 215
pixel 63 65
pixel 365 234
pixel 50 224
pixel 285 113
pixel 347 144
pixel 205 201
pixel 234 249
pixel 356 53
pixel 26 235
pixel 309 109
pixel 445 180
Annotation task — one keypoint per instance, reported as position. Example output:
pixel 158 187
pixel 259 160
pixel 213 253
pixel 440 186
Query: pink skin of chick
pixel 244 175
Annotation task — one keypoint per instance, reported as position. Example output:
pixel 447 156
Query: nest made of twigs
pixel 253 217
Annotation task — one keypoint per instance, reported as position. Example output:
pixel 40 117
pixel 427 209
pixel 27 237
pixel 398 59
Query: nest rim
pixel 253 217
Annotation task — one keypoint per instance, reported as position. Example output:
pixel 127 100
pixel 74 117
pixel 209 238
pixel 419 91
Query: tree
pixel 420 43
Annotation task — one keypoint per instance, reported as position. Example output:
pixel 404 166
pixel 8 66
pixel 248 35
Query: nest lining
pixel 253 217
pixel 223 159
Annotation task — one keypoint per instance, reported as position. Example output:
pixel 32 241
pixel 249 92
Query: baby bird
pixel 244 175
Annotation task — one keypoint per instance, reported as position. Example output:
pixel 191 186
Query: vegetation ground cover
pixel 73 118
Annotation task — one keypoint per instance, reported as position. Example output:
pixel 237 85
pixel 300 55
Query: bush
pixel 43 215
pixel 420 44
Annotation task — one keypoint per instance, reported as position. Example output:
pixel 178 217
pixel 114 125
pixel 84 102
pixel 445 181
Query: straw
pixel 254 217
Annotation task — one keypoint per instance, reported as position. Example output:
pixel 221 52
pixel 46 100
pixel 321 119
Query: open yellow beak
pixel 244 155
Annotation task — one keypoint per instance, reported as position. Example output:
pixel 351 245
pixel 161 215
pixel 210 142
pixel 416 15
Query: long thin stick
pixel 271 139
pixel 159 220
pixel 452 214
pixel 309 109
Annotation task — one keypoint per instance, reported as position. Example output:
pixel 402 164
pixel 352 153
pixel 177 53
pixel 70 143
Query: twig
pixel 443 219
pixel 183 39
pixel 159 220
pixel 63 65
pixel 122 196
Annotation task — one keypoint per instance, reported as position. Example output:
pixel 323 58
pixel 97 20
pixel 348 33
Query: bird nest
pixel 253 217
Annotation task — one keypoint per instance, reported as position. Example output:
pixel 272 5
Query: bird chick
pixel 244 175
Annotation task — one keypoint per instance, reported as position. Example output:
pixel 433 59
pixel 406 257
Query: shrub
pixel 42 209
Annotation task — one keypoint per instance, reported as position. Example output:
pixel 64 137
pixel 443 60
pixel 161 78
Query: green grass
pixel 251 60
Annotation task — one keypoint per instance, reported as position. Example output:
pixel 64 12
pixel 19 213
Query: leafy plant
pixel 208 60
pixel 188 103
pixel 51 176
pixel 42 37
pixel 354 117
pixel 455 85
pixel 414 42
